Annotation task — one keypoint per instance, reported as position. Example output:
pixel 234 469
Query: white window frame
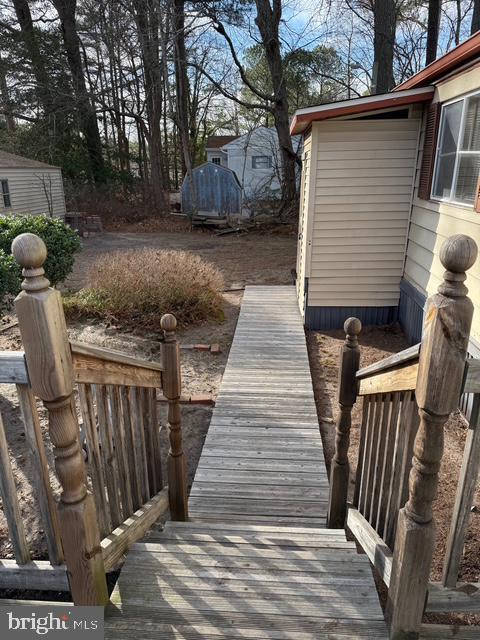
pixel 254 158
pixel 458 153
pixel 216 160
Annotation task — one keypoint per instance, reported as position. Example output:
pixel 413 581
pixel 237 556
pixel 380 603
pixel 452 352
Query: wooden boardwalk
pixel 256 561
pixel 262 460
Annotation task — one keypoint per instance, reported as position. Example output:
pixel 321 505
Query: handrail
pixel 397 359
pixel 110 355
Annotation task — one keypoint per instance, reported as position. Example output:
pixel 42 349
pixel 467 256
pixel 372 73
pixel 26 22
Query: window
pixel 457 166
pixel 216 160
pixel 261 162
pixel 7 202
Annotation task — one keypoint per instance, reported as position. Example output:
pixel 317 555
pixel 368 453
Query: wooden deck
pixel 262 460
pixel 236 570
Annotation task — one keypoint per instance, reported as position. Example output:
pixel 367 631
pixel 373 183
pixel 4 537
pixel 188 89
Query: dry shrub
pixel 134 288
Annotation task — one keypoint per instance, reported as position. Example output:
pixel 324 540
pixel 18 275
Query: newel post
pixel 49 361
pixel 172 385
pixel 347 396
pixel 448 318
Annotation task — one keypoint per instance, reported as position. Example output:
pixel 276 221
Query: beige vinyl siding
pixel 432 222
pixel 360 210
pixel 303 239
pixel 27 193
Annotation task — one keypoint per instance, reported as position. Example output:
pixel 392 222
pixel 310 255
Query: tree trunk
pixel 268 20
pixel 182 90
pixel 433 29
pixel 24 17
pixel 88 120
pixel 384 17
pixel 475 26
pixel 5 98
pixel 147 20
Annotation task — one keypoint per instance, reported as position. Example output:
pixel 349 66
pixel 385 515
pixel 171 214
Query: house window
pixel 261 162
pixel 7 202
pixel 216 160
pixel 457 166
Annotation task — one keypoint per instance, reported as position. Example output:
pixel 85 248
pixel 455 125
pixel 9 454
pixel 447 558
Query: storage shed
pixel 217 190
pixel 29 186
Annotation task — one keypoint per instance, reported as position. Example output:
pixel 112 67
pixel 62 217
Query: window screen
pixel 457 165
pixel 261 162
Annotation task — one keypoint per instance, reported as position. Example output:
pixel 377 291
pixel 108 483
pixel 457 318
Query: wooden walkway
pixel 262 460
pixel 236 570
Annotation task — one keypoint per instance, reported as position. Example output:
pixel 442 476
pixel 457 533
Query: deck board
pixel 265 418
pixel 255 562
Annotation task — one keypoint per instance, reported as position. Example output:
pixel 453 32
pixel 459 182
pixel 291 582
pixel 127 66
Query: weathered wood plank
pixel 37 574
pixel 13 368
pixel 377 551
pixel 119 541
pixel 392 362
pixel 402 379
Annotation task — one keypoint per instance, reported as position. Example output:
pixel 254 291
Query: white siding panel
pixel 28 194
pixel 363 190
pixel 433 222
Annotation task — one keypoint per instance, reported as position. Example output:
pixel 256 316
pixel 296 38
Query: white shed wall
pixel 27 191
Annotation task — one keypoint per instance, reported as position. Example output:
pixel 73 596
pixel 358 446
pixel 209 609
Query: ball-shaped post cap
pixel 352 326
pixel 168 322
pixel 458 253
pixel 29 251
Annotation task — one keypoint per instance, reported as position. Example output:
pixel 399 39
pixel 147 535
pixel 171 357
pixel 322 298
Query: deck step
pixel 245 582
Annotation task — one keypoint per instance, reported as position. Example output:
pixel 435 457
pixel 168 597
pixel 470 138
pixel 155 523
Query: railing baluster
pixel 379 458
pixel 11 508
pixel 388 462
pixel 448 318
pixel 120 449
pixel 372 403
pixel 128 404
pixel 371 461
pixel 49 360
pixel 361 451
pixel 95 462
pixel 108 453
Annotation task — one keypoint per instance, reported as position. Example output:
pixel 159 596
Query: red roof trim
pixel 303 120
pixel 440 67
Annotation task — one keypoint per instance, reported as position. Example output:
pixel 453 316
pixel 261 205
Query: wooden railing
pixel 407 398
pixel 116 397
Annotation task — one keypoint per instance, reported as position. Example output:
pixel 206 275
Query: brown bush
pixel 134 288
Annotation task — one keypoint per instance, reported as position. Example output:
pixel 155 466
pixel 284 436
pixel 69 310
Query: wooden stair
pixel 206 580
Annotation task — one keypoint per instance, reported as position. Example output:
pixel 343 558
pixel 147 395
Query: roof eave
pixel 301 121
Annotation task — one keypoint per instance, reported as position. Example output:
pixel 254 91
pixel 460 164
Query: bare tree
pixel 475 25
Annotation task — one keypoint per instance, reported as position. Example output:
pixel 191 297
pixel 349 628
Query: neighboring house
pixel 214 150
pixel 29 186
pixel 386 179
pixel 254 158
